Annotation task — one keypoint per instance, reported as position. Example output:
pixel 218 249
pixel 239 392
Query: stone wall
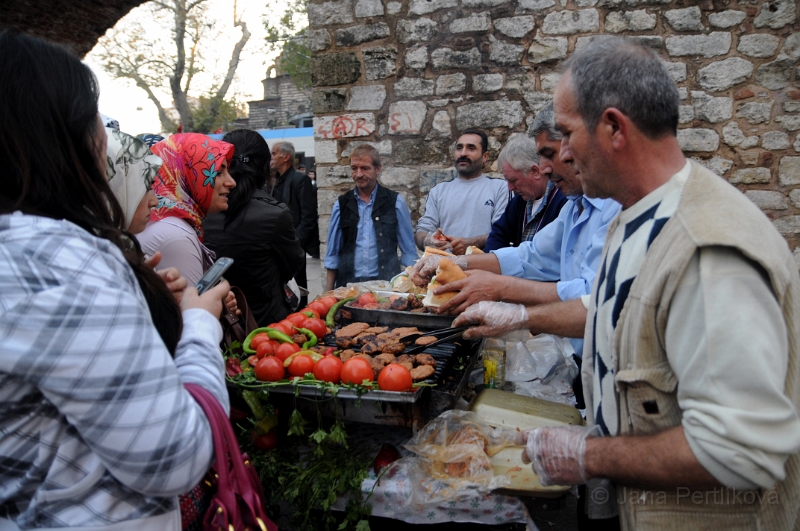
pixel 282 100
pixel 407 75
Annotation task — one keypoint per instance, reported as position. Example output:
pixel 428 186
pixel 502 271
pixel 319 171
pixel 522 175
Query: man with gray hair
pixel 536 202
pixel 691 366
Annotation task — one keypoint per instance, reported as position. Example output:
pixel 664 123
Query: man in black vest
pixel 367 226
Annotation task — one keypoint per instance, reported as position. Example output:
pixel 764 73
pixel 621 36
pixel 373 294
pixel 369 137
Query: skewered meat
pixel 346 354
pixel 414 303
pixel 363 339
pixel 371 348
pixel 425 340
pixel 376 330
pixel 351 330
pixel 400 303
pixel 345 342
pixel 394 347
pixel 405 331
pixel 422 372
pixel 299 338
pixel 425 359
pixel 387 336
pixel 406 361
pixel 386 358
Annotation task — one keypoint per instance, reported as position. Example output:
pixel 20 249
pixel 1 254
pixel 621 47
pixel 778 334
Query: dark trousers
pixel 302 281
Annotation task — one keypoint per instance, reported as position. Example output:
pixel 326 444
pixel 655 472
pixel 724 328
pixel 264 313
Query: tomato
pixel 269 369
pixel 328 369
pixel 328 302
pixel 314 313
pixel 320 307
pixel 286 350
pixel 301 365
pixel 252 360
pixel 356 370
pixel 282 327
pixel 264 442
pixel 258 339
pixel 296 318
pixel 275 343
pixel 366 298
pixel 317 326
pixel 395 377
pixel 265 349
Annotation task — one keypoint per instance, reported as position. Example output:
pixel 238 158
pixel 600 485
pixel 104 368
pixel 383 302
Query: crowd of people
pixel 680 299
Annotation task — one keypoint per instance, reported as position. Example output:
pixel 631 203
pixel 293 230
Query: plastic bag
pixel 542 367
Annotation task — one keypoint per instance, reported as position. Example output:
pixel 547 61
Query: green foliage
pixel 290 35
pixel 204 119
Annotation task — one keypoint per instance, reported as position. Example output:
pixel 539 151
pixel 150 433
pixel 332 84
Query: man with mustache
pixel 466 207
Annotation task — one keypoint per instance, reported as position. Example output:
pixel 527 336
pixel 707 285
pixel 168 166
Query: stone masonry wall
pixel 407 75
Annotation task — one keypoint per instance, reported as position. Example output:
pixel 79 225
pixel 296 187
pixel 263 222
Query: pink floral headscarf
pixel 185 183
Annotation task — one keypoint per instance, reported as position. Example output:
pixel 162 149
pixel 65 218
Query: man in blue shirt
pixel 367 226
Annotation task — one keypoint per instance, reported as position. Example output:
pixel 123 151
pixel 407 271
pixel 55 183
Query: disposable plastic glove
pixel 558 453
pixel 425 268
pixel 492 319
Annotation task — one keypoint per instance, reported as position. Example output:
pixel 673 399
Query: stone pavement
pixel 316 274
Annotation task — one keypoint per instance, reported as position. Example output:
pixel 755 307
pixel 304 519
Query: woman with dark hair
pixel 96 428
pixel 256 231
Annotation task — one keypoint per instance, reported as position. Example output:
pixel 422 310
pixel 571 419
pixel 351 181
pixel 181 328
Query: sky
pixel 122 100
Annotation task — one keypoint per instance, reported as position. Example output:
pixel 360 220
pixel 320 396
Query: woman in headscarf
pixel 193 182
pixel 256 231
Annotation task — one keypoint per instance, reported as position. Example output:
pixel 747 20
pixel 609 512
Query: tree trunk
pixel 178 95
pixel 234 62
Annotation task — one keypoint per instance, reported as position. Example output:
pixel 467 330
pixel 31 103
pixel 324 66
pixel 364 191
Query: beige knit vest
pixel 711 213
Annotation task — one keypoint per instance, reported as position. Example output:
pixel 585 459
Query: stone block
pixel 413 87
pixel 489 114
pixel 327 13
pixel 775 75
pixel 733 136
pixel 711 109
pixel 698 139
pixel 476 22
pixel 440 127
pixel 791 106
pixel 393 8
pixel 683 93
pixel 445 58
pixel 363 33
pixel 411 201
pixel 677 71
pixel 380 63
pixel 789 171
pixel 751 176
pixel 526 6
pixel 794 195
pixel 755 112
pixel 344 126
pixel 775 140
pixel 640 20
pixel 325 201
pixel 325 101
pixel 384 147
pixel 487 83
pixel 520 82
pixel 758 45
pixel 451 84
pixel 406 117
pixel 688 19
pixel 325 152
pixel 416 151
pixel 796 254
pixel 472 4
pixel 713 44
pixel 547 49
pixel 335 69
pixel 422 29
pixel 650 41
pixel 550 81
pixel 776 14
pixel 722 75
pixel 537 100
pixel 328 176
pixel 788 225
pixel 718 165
pixel 571 22
pixel 369 8
pixel 685 114
pixel 726 19
pixel 366 98
pixel 430 178
pixel 750 156
pixel 393 176
pixel 417 58
pixel 791 47
pixel 768 200
pixel 505 53
pixel 319 40
pixel 515 27
pixel 421 7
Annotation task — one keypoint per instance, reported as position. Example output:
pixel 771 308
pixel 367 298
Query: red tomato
pixel 258 339
pixel 317 326
pixel 283 326
pixel 264 442
pixel 265 349
pixel 328 302
pixel 286 350
pixel 270 369
pixel 366 298
pixel 318 307
pixel 395 377
pixel 252 360
pixel 314 313
pixel 301 365
pixel 328 369
pixel 275 343
pixel 356 370
pixel 296 318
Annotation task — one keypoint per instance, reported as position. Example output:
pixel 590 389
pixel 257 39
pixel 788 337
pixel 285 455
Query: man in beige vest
pixel 690 373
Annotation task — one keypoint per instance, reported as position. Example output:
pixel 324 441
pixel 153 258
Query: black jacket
pixel 265 251
pixel 297 193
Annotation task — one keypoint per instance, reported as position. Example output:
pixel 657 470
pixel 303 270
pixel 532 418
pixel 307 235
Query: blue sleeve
pixel 334 240
pixel 502 233
pixel 405 233
pixel 539 259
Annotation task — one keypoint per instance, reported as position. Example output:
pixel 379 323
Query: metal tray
pixel 430 321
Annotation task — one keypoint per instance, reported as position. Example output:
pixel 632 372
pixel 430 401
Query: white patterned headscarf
pixel 130 170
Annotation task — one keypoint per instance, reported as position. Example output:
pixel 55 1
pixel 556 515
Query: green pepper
pixel 310 353
pixel 335 308
pixel 277 335
pixel 255 404
pixel 312 337
pixel 264 425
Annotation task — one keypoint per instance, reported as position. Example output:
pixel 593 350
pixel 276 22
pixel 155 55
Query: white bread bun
pixel 446 272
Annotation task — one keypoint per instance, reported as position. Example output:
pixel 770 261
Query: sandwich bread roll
pixel 446 272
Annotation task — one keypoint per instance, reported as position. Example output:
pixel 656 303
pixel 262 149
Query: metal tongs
pixel 449 335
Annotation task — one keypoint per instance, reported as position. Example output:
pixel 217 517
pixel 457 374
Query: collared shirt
pixel 533 208
pixel 366 257
pixel 567 251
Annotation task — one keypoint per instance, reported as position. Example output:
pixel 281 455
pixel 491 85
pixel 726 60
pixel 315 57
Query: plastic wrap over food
pixel 542 367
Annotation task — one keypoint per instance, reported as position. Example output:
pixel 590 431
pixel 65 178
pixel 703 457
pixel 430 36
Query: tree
pixel 289 35
pixel 155 63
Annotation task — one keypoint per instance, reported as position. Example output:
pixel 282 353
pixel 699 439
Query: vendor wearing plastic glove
pixel 691 369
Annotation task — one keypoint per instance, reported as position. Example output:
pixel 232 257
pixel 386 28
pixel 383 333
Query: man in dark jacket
pixel 293 189
pixel 367 226
pixel 537 201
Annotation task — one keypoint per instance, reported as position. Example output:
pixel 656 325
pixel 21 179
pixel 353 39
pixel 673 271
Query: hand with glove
pixel 492 319
pixel 558 453
pixel 425 268
pixel 438 240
